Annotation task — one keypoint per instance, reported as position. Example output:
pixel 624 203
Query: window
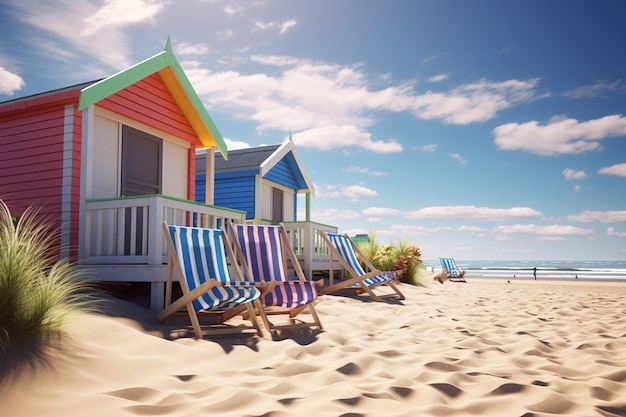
pixel 142 158
pixel 277 205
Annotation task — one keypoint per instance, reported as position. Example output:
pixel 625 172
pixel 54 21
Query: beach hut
pixel 108 161
pixel 265 182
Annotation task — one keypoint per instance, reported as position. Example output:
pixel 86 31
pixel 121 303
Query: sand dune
pixel 486 348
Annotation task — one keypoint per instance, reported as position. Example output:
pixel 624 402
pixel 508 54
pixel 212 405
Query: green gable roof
pixel 180 87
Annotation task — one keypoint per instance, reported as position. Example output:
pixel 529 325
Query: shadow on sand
pixel 132 301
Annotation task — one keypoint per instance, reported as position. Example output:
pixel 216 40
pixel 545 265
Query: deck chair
pixel 347 253
pixel 263 253
pixel 451 271
pixel 197 255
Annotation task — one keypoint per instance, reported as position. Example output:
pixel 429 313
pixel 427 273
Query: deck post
pixel 157 295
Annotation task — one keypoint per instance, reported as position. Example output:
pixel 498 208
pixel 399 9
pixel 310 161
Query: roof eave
pixel 180 87
pixel 279 154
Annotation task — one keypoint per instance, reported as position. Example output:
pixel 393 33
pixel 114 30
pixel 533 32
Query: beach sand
pixel 486 347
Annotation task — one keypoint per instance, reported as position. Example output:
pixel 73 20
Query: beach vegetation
pixel 396 257
pixel 39 292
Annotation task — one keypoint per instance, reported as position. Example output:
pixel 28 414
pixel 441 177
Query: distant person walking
pixel 535 273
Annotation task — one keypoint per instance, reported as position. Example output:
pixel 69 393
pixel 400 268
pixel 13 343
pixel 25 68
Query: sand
pixel 486 347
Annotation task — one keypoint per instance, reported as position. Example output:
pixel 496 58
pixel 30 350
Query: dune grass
pixel 399 257
pixel 38 292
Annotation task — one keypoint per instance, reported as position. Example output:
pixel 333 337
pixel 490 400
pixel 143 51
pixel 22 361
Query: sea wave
pixel 584 270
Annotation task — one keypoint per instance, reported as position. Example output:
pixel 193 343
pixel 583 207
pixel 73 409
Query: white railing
pixel 128 230
pixel 311 249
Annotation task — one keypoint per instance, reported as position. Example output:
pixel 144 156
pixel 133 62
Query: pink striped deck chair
pixel 263 252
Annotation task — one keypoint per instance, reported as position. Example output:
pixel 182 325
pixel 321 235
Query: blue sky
pixel 473 129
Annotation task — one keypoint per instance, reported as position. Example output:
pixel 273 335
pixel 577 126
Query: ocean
pixel 568 270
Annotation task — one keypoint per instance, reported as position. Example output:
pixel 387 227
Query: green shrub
pixel 401 257
pixel 38 293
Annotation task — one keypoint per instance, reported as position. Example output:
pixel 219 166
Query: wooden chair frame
pixel 356 278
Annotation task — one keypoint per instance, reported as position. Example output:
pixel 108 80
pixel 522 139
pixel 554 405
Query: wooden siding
pixel 149 102
pixel 200 188
pixel 232 190
pixel 31 159
pixel 282 174
pixel 39 164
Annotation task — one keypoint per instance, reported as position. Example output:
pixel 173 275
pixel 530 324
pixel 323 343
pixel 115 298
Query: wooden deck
pixel 123 240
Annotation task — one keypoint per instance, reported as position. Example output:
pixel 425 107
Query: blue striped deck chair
pixel 263 252
pixel 199 259
pixel 451 271
pixel 348 254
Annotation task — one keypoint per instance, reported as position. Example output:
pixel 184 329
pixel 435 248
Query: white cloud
pixel 550 230
pixel 464 229
pixel 601 88
pixel 283 27
pixel 332 136
pixel 226 34
pixel 416 230
pixel 326 191
pixel 570 174
pixel 473 103
pixel 288 24
pixel 438 78
pixel 619 170
pixel 473 213
pixel 329 106
pixel 10 82
pixel 185 49
pixel 430 59
pixel 357 192
pixel 357 170
pixel 235 144
pixel 611 232
pixel 577 189
pixel 458 157
pixel 425 148
pixel 116 13
pixel 231 10
pixel 590 216
pixel 559 136
pixel 354 192
pixel 364 170
pixel 381 211
pixel 89 30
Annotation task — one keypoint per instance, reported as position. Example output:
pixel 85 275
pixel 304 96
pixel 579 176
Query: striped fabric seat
pixel 451 270
pixel 198 256
pixel 345 251
pixel 262 248
pixel 263 252
pixel 201 252
pixel 344 247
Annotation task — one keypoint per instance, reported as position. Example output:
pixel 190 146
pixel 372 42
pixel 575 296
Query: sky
pixel 479 130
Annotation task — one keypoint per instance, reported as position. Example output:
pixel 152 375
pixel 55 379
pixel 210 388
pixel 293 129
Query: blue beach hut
pixel 265 182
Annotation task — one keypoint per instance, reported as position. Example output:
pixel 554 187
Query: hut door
pixel 277 205
pixel 142 159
